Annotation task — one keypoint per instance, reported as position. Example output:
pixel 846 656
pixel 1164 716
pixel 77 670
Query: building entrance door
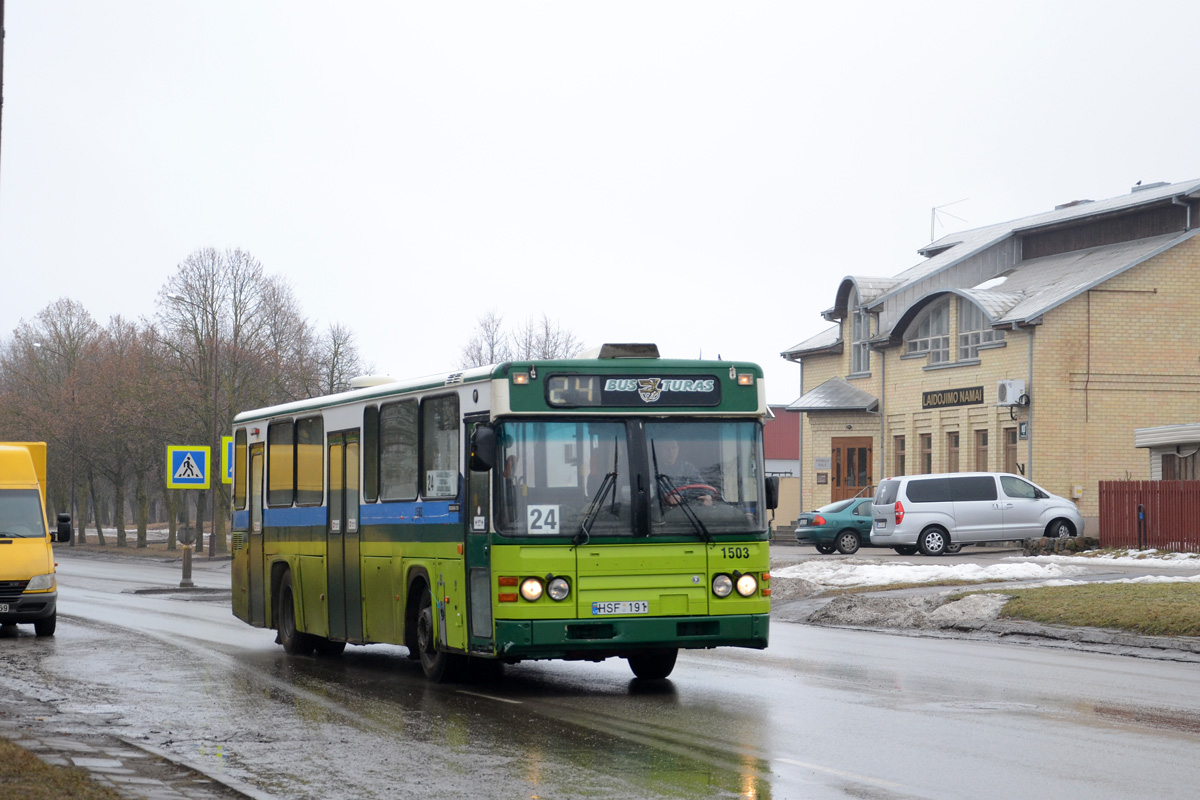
pixel 852 473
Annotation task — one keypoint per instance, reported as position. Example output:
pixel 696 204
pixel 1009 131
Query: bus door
pixel 254 543
pixel 342 539
pixel 477 517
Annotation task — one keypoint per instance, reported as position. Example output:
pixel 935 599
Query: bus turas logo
pixel 652 389
pixel 649 389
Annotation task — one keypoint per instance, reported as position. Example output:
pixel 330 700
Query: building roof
pixel 1020 294
pixel 953 248
pixel 828 340
pixel 836 394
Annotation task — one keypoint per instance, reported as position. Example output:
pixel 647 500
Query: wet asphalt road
pixel 821 713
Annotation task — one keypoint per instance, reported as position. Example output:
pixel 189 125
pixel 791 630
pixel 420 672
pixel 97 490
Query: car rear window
pixel 977 487
pixel 928 490
pixel 885 495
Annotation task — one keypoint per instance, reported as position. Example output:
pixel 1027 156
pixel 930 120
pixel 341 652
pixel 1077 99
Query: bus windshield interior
pixel 579 477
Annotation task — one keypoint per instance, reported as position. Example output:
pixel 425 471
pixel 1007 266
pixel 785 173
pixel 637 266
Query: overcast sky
pixel 700 175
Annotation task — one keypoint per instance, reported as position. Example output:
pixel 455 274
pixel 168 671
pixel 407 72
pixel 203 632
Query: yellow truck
pixel 28 591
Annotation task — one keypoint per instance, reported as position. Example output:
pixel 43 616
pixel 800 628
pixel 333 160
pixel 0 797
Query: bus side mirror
pixel 483 448
pixel 772 492
pixel 65 532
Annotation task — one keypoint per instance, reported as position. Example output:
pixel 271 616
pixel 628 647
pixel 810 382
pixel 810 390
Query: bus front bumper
pixel 597 639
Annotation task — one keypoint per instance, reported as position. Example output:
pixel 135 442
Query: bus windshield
pixel 567 478
pixel 705 475
pixel 561 478
pixel 21 514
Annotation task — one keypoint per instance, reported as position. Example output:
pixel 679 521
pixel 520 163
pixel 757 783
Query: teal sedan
pixel 843 526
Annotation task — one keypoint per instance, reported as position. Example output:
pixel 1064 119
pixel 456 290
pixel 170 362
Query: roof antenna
pixel 936 210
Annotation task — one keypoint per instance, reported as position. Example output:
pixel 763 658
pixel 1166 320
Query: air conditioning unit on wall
pixel 1011 393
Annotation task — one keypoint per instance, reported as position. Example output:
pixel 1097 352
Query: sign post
pixel 187 468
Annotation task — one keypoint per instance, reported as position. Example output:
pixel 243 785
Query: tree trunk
pixel 119 511
pixel 80 513
pixel 143 509
pixel 222 506
pixel 172 513
pixel 200 503
pixel 96 510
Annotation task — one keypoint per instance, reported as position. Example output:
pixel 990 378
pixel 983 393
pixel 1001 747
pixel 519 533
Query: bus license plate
pixel 3 608
pixel 621 607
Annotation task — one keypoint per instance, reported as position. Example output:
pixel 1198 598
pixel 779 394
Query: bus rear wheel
pixel 295 642
pixel 653 665
pixel 437 664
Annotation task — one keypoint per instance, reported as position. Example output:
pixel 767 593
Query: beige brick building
pixel 1035 346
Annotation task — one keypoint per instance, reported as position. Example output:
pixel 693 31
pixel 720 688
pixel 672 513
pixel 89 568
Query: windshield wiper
pixel 607 485
pixel 666 488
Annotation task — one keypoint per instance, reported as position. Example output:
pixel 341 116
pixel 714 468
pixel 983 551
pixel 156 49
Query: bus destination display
pixel 604 391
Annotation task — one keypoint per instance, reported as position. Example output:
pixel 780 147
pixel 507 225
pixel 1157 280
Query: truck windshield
pixel 584 478
pixel 21 514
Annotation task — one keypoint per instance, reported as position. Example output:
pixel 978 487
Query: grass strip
pixel 25 776
pixel 1156 609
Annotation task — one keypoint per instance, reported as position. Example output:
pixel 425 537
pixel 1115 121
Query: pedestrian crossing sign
pixel 227 471
pixel 187 467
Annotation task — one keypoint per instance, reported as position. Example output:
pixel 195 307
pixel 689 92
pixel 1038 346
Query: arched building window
pixel 930 334
pixel 860 332
pixel 974 330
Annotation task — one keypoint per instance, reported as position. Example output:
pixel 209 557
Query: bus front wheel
pixel 653 665
pixel 295 642
pixel 437 664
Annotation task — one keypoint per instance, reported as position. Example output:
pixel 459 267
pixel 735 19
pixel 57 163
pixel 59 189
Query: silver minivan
pixel 932 512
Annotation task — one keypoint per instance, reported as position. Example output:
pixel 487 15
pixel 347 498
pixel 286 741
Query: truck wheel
pixel 45 627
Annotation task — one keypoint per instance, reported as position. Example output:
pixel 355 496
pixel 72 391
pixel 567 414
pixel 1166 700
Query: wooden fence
pixel 1171 515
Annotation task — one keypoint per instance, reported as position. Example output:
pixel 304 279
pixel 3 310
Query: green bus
pixel 591 508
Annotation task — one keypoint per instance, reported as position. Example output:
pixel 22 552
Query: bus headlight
pixel 531 589
pixel 746 585
pixel 558 589
pixel 722 585
pixel 40 583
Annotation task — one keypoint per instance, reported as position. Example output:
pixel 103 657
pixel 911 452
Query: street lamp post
pixel 214 456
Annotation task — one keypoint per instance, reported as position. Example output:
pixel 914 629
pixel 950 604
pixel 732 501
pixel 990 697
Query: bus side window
pixel 370 454
pixel 439 446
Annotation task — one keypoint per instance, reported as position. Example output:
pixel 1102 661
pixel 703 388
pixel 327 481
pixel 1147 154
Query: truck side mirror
pixel 772 492
pixel 483 448
pixel 65 532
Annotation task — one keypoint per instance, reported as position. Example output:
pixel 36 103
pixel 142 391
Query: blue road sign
pixel 187 467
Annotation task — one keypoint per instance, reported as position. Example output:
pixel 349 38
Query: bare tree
pixel 544 338
pixel 337 359
pixel 488 344
pixel 40 394
pixel 536 338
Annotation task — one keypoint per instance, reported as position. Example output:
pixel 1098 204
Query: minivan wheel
pixel 906 549
pixel 1060 528
pixel 932 541
pixel 953 548
pixel 847 543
